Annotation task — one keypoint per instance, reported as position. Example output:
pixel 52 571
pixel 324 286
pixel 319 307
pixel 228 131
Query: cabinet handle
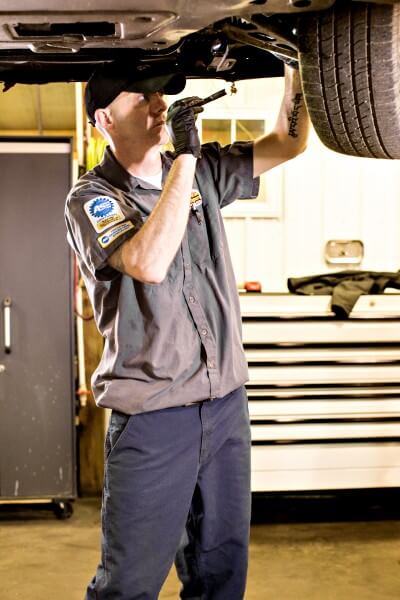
pixel 7 324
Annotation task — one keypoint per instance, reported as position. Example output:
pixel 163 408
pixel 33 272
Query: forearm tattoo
pixel 294 116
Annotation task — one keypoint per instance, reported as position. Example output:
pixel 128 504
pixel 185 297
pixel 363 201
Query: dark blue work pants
pixel 177 485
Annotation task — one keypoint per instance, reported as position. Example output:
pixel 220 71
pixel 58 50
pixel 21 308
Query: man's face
pixel 139 117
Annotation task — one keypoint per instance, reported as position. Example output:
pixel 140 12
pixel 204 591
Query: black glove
pixel 181 125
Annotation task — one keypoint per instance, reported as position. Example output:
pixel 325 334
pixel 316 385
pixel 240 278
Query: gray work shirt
pixel 177 342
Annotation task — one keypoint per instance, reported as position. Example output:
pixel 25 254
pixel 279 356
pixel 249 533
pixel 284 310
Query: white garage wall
pixel 314 198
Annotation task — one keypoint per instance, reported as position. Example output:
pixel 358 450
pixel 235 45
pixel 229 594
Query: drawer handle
pixel 7 324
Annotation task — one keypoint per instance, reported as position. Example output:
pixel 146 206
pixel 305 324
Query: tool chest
pixel 37 399
pixel 324 393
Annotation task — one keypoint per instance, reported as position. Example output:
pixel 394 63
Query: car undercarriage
pixel 348 52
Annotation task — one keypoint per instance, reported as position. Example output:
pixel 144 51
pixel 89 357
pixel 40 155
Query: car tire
pixel 350 69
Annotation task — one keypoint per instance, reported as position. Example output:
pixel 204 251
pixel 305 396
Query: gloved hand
pixel 181 125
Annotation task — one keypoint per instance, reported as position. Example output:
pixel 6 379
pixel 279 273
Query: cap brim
pixel 110 80
pixel 168 84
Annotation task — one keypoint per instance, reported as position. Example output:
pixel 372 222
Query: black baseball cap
pixel 109 80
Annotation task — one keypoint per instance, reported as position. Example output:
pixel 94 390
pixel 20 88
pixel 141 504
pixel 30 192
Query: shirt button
pixel 192 299
pixel 211 364
pixel 204 332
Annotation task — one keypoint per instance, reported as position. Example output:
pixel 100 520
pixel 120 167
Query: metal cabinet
pixel 324 393
pixel 37 413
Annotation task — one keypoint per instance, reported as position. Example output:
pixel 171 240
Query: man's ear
pixel 103 117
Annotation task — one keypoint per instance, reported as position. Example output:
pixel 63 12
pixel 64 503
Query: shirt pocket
pixel 205 236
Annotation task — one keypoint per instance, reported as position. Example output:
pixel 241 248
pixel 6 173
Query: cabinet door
pixel 37 448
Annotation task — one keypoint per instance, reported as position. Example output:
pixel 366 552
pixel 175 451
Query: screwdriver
pixel 208 99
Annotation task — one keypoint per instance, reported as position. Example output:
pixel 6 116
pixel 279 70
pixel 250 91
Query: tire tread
pixel 350 68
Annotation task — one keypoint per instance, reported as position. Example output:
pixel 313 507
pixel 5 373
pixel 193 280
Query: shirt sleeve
pixel 230 168
pixel 97 224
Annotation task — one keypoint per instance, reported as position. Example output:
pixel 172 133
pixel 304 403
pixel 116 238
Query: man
pixel 149 237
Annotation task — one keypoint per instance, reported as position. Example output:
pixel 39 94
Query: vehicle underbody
pixel 348 52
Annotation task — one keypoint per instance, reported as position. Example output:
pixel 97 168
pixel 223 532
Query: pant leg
pixel 150 476
pixel 213 555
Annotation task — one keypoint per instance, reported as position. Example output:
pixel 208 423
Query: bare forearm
pixel 293 121
pixel 148 254
pixel 289 137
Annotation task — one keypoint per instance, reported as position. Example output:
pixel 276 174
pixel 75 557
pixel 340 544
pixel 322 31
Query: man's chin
pixel 161 135
pixel 164 137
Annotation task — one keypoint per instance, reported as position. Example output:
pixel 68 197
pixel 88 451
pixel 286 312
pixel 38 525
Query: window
pixel 241 128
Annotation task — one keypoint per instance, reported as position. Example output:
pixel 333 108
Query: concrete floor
pixel 301 549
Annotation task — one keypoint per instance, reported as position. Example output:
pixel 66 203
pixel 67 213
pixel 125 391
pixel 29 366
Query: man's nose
pixel 158 103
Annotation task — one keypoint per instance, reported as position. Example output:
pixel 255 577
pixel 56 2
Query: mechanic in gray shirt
pixel 149 237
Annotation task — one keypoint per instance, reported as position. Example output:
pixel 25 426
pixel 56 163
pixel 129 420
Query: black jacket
pixel 345 287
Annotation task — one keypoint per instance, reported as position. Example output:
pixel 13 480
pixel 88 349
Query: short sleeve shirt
pixel 179 341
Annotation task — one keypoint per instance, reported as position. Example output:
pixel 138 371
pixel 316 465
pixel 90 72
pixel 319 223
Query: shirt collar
pixel 118 176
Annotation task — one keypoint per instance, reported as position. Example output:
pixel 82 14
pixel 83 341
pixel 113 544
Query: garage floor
pixel 301 549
